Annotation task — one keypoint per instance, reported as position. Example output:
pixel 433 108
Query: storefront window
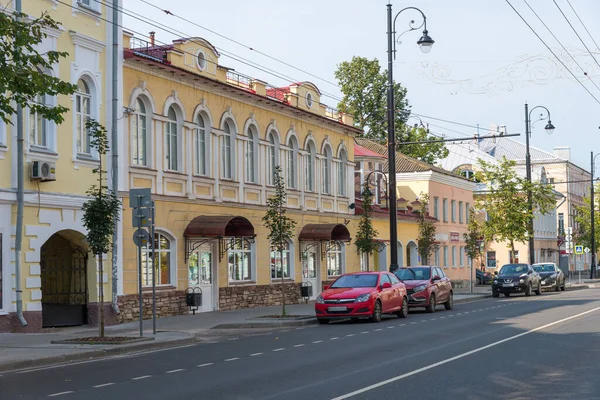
pixel 162 261
pixel 277 265
pixel 334 259
pixel 491 259
pixel 239 260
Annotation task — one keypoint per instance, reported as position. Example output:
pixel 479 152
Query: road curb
pixel 95 354
pixel 579 287
pixel 269 324
pixel 479 297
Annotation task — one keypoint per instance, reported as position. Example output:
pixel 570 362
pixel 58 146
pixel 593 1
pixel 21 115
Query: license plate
pixel 508 285
pixel 338 308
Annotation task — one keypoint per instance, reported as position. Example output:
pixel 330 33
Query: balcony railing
pixel 144 47
pixel 239 80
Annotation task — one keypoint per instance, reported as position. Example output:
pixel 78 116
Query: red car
pixel 427 287
pixel 362 295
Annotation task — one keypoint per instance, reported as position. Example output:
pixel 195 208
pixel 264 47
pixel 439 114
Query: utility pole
pixel 592 217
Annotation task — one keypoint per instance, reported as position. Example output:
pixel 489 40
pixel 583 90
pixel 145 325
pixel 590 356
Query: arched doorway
pixel 63 264
pixel 412 256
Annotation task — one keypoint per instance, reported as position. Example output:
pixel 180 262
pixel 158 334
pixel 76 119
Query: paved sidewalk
pixel 19 351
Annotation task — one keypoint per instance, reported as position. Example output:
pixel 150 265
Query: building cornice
pixel 33 198
pixel 86 41
pixel 433 176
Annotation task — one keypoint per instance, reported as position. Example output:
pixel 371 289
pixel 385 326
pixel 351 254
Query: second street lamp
pixel 549 128
pixel 425 42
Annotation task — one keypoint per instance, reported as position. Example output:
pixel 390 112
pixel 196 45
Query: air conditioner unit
pixel 43 171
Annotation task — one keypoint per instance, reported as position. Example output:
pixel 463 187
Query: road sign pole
pixel 153 247
pixel 140 286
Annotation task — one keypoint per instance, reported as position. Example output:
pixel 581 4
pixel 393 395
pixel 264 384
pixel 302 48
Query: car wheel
pixel 506 294
pixel 403 313
pixel 538 291
pixel 450 303
pixel 431 306
pixel 323 321
pixel 528 292
pixel 495 294
pixel 377 314
pixel 562 288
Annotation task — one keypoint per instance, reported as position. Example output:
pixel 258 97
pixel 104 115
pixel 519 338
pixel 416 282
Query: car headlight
pixel 521 281
pixel 495 282
pixel 419 288
pixel 523 276
pixel 320 299
pixel 363 297
pixel 553 276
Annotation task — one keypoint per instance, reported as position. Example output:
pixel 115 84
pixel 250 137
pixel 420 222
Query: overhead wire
pixel 584 27
pixel 551 51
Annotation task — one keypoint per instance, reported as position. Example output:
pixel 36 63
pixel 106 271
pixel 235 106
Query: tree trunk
pixel 101 296
pixel 283 313
pixel 368 259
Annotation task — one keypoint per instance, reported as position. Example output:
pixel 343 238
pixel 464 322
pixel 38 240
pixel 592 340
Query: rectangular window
pixel 162 261
pixel 291 169
pixel 462 256
pixel 200 268
pixel 454 256
pixel 200 147
pixel 445 256
pixel 227 170
pixel 453 211
pixel 138 146
pixel 334 260
pixel 561 223
pixel 445 210
pixel 437 256
pixel 436 206
pixel 460 212
pixel 513 257
pixel 250 173
pixel 467 212
pixel 239 260
pixel 82 109
pixel 491 259
pixel 310 172
pixel 277 265
pixel 326 168
pixel 172 146
pixel 342 178
pixel 38 129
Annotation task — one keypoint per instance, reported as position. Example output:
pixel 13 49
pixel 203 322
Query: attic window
pixel 201 60
pixel 309 100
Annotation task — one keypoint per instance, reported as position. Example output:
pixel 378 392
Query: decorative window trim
pixel 85 41
pixel 272 159
pixel 197 60
pixel 308 100
pixel 179 135
pixel 292 163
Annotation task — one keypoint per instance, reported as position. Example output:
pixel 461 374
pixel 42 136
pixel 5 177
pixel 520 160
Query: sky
pixel 484 66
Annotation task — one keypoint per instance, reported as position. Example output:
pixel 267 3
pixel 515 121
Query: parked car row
pixel 369 295
pixel 527 279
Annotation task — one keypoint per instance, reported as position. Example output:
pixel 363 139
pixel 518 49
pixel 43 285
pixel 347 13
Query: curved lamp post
pixel 425 42
pixel 549 129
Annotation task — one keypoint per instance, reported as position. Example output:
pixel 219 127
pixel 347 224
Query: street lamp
pixel 425 43
pixel 592 217
pixel 549 129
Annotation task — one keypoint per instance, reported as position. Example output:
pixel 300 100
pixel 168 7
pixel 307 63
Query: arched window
pixel 83 100
pixel 342 183
pixel 227 149
pixel 326 163
pixel 310 166
pixel 172 136
pixel 292 163
pixel 38 125
pixel 272 156
pixel 200 146
pixel 162 261
pixel 139 134
pixel 334 259
pixel 252 155
pixel 278 264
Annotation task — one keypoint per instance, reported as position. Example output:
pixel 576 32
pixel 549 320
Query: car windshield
pixel 413 274
pixel 544 268
pixel 355 281
pixel 513 269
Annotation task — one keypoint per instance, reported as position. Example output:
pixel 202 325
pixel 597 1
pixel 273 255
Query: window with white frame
pixel 292 164
pixel 239 257
pixel 172 140
pixel 38 125
pixel 467 212
pixel 227 150
pixel 445 256
pixel 437 256
pixel 139 137
pixel 334 259
pixel 162 261
pixel 454 256
pixel 460 212
pixel 201 146
pixel 342 176
pixel 462 256
pixel 279 264
pixel 326 163
pixel 310 167
pixel 436 206
pixel 453 211
pixel 445 210
pixel 83 106
pixel 272 156
pixel 252 155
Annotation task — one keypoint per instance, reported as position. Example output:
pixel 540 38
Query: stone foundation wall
pixel 461 283
pixel 168 303
pixel 93 314
pixel 10 323
pixel 237 297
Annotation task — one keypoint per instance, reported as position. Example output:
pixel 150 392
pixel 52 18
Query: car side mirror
pixel 325 287
pixel 436 278
pixel 385 285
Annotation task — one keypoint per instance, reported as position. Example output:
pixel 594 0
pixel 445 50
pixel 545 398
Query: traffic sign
pixel 140 198
pixel 140 217
pixel 141 237
pixel 586 250
pixel 578 249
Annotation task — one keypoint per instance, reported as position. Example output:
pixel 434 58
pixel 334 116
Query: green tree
pixel 24 78
pixel 474 238
pixel 505 202
pixel 101 212
pixel 426 241
pixel 366 233
pixel 583 218
pixel 364 88
pixel 280 226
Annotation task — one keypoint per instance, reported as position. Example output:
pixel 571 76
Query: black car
pixel 482 278
pixel 552 276
pixel 516 278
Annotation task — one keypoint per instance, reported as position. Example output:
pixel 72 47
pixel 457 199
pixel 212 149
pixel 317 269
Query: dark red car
pixel 427 287
pixel 362 295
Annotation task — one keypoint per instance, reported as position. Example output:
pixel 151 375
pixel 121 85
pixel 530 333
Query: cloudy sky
pixel 486 63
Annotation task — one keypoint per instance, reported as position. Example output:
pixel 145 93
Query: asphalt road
pixel 515 348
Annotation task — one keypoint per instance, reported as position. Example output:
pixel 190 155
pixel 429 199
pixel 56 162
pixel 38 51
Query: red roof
pixel 360 151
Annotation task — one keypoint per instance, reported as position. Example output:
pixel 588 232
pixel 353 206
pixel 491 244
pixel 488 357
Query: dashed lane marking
pixel 256 354
pixel 299 345
pixel 176 370
pixel 104 385
pixel 205 365
pixel 137 378
pixel 60 394
pixel 231 359
pixel 279 349
pixel 317 341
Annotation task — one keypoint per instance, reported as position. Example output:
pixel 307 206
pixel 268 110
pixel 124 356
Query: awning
pixel 219 226
pixel 324 232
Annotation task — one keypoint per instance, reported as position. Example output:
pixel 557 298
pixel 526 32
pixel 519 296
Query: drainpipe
pixel 114 146
pixel 20 184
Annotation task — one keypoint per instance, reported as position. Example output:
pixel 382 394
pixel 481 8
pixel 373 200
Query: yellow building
pixel 206 139
pixel 59 276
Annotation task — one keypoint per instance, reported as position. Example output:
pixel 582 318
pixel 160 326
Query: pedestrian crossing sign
pixel 578 249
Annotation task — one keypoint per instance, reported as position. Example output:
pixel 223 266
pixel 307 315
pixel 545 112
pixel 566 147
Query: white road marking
pixel 350 334
pixel 363 332
pixel 205 365
pixel 137 378
pixel 389 327
pixel 299 345
pixel 423 320
pixel 317 341
pixel 235 338
pixel 231 359
pixel 256 354
pixel 60 394
pixel 334 338
pixel 412 323
pixel 442 317
pixel 378 329
pixel 104 385
pixel 401 324
pixel 279 349
pixel 176 370
pixel 458 357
